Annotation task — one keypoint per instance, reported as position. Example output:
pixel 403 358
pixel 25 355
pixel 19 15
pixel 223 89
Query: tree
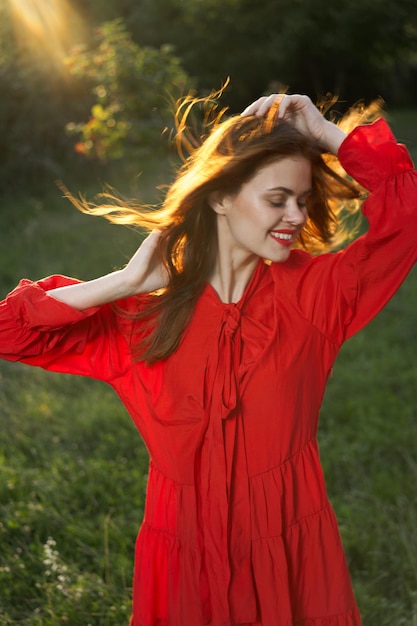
pixel 352 48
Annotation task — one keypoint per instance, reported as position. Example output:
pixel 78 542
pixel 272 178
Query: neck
pixel 232 271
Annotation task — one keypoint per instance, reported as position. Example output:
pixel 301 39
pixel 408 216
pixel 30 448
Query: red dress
pixel 238 528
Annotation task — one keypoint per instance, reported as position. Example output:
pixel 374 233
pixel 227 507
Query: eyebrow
pixel 289 192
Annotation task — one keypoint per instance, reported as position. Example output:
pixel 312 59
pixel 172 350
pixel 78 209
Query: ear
pixel 218 202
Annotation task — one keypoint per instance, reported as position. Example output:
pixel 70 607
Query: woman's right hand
pixel 145 272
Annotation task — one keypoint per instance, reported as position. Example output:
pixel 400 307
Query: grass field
pixel 73 469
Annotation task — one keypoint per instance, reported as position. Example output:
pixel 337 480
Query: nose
pixel 294 214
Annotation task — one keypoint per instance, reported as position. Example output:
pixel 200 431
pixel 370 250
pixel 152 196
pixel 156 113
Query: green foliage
pixel 353 48
pixel 36 102
pixel 356 49
pixel 134 90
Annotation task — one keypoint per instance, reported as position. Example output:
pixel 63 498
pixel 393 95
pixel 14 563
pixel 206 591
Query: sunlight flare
pixel 52 26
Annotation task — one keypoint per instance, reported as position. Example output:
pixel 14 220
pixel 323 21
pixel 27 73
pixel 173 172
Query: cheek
pixel 244 215
pixel 247 215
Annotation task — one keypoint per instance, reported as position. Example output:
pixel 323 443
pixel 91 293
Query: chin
pixel 279 257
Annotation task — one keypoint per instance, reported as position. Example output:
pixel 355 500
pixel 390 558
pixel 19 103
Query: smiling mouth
pixel 285 238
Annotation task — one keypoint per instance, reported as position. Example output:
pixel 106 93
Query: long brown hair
pixel 222 155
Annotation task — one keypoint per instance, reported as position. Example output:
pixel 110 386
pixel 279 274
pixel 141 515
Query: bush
pixel 134 89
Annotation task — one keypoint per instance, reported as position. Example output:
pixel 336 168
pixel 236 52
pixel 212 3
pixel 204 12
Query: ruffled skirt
pixel 298 567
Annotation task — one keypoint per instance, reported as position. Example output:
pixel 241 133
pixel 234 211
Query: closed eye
pixel 304 200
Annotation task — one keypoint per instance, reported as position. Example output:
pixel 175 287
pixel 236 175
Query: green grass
pixel 368 443
pixel 73 469
pixel 72 466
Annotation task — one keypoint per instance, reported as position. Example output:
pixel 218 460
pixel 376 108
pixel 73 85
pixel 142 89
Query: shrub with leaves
pixel 134 89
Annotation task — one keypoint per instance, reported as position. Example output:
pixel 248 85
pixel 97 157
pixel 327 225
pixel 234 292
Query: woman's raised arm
pixel 144 273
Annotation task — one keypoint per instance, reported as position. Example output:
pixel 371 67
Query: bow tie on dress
pixel 225 504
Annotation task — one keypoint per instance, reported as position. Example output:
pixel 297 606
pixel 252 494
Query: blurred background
pixel 98 78
pixel 87 93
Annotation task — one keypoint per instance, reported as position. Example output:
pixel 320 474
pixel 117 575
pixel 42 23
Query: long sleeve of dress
pixel 341 292
pixel 38 329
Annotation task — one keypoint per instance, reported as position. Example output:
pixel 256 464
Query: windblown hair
pixel 223 154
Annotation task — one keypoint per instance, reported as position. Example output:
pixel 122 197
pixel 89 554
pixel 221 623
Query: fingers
pixel 292 104
pixel 262 105
pixel 151 241
pixel 154 235
pixel 147 248
pixel 286 102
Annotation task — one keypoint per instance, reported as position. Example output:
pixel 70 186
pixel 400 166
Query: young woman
pixel 223 335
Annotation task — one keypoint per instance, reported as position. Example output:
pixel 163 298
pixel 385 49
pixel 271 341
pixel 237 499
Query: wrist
pixel 127 283
pixel 332 137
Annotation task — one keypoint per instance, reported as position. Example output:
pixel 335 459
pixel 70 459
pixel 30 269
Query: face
pixel 268 213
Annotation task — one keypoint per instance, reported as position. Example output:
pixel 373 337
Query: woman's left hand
pixel 299 111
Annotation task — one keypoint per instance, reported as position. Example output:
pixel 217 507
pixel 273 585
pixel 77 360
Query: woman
pixel 223 357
